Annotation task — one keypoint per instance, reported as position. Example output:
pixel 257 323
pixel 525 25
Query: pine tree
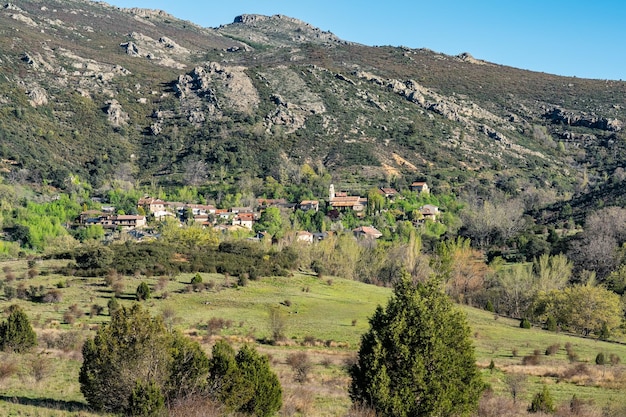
pixel 417 359
pixel 16 333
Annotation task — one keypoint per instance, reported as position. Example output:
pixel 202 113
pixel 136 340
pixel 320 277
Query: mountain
pixel 106 93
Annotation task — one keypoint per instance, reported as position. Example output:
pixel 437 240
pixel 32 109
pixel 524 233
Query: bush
pixel 242 281
pixel 531 360
pixel 197 279
pixel 143 292
pixel 552 349
pixel 525 324
pixel 300 365
pixel 16 333
pixel 40 367
pixel 601 359
pixel 52 296
pixel 146 400
pixel 113 305
pixel 542 402
pixel 244 382
pixel 489 307
pixel 9 292
pixel 551 324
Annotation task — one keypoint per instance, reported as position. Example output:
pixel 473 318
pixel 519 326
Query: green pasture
pixel 324 317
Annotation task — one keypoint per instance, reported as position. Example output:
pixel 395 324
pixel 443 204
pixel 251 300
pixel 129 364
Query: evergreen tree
pixel 244 382
pixel 542 402
pixel 16 333
pixel 143 292
pixel 417 359
pixel 134 361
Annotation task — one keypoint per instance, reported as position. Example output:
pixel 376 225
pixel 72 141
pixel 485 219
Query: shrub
pixel 16 333
pixel 614 359
pixel 9 292
pixel 146 400
pixel 113 305
pixel 52 296
pixel 8 368
pixel 601 359
pixel 69 317
pixel 95 310
pixel 143 292
pixel 244 382
pixel 542 402
pixel 551 324
pixel 571 355
pixel 242 281
pixel 197 279
pixel 531 360
pixel 217 324
pixel 300 364
pixel 525 324
pixel 552 349
pixel 40 367
pixel 489 306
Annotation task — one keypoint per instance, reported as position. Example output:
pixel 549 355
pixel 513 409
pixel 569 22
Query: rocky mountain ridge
pixel 88 88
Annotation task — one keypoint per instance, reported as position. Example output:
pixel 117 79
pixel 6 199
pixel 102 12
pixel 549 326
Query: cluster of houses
pixel 243 217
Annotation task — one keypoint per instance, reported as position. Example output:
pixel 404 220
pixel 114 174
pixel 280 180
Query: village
pixel 242 220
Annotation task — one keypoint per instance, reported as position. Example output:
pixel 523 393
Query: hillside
pixel 323 319
pixel 139 95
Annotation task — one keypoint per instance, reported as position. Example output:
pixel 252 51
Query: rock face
pixel 208 88
pixel 272 30
pixel 569 118
pixel 164 51
pixel 115 114
pixel 37 96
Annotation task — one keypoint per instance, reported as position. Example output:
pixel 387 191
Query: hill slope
pixel 136 94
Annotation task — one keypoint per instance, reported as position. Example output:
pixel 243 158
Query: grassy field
pixel 322 317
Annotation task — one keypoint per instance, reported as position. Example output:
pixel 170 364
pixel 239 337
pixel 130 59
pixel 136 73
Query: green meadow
pixel 324 317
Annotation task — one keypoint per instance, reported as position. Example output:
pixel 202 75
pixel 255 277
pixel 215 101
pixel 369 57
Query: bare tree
pixel 196 172
pixel 516 384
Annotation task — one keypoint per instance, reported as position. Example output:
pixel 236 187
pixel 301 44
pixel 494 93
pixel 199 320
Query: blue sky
pixel 572 38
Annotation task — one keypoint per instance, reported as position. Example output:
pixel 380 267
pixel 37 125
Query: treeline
pixel 158 258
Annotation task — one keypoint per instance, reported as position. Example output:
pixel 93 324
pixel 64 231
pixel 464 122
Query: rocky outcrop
pixel 570 118
pixel 37 96
pixel 115 114
pixel 131 48
pixel 164 51
pixel 271 30
pixel 207 88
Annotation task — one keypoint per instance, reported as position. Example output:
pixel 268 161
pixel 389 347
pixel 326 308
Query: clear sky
pixel 581 38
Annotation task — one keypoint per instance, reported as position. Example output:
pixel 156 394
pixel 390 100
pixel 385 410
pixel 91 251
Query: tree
pixel 133 360
pixel 586 309
pixel 463 268
pixel 542 402
pixel 270 222
pixel 417 358
pixel 143 292
pixel 243 382
pixel 16 333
